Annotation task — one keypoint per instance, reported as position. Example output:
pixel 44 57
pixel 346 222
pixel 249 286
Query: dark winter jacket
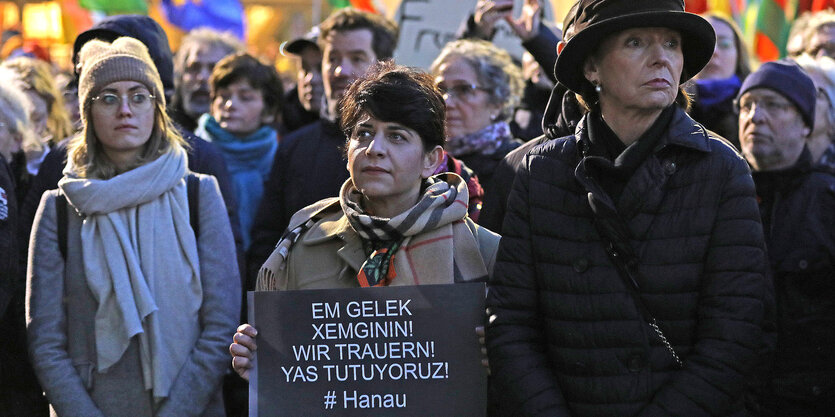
pixel 534 101
pixel 20 394
pixel 9 274
pixel 560 120
pixel 293 115
pixel 484 166
pixel 567 337
pixel 798 213
pixel 495 202
pixel 720 118
pixel 310 165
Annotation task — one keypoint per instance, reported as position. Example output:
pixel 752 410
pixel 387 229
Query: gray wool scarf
pixel 141 264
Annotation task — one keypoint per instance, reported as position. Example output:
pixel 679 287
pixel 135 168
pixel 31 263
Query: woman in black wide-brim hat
pixel 630 279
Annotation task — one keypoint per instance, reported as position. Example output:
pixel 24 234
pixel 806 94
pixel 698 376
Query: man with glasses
pixel 797 204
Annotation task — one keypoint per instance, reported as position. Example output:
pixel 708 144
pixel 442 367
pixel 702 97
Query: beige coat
pixel 329 254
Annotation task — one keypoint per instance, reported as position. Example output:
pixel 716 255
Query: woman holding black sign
pixel 630 279
pixel 390 207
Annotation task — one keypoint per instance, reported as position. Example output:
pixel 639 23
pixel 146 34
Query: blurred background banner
pixel 765 23
pixel 367 5
pixel 110 7
pixel 427 25
pixel 48 28
pixel 224 15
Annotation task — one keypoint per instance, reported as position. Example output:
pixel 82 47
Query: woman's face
pixel 722 64
pixel 10 143
pixel 70 95
pixel 387 163
pixel 468 106
pixel 822 107
pixel 39 115
pixel 239 108
pixel 123 119
pixel 637 69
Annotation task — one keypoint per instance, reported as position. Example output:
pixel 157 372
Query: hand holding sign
pixel 242 348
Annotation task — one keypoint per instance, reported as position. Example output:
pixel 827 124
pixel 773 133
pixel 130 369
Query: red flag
pixel 695 6
pixel 75 19
pixel 818 5
pixel 367 5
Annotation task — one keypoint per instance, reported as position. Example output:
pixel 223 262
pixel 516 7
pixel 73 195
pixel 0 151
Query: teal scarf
pixel 249 160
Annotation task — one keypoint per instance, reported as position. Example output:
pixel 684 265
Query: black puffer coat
pixel 567 338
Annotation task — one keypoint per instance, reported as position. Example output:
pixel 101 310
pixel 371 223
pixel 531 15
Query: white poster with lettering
pixel 427 25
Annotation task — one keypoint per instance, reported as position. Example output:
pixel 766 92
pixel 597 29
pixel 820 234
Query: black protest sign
pixel 394 351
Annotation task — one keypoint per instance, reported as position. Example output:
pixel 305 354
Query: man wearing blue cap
pixel 797 205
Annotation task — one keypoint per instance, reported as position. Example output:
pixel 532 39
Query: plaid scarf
pixel 444 201
pixel 483 142
pixel 436 244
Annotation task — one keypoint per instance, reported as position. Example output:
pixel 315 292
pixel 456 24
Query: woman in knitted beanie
pixel 126 244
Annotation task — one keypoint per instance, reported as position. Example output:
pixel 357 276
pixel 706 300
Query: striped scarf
pixel 486 141
pixel 444 201
pixel 437 242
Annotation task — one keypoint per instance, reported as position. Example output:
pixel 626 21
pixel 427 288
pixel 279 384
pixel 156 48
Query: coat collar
pixel 682 131
pixel 686 132
pixel 335 226
pixel 645 186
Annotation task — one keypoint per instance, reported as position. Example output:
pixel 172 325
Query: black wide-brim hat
pixel 597 19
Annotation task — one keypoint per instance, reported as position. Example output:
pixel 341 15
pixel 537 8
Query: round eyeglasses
pixel 459 91
pixel 136 101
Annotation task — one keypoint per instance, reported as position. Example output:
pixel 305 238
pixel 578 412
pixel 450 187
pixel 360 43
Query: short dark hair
pixel 383 30
pixel 397 94
pixel 260 75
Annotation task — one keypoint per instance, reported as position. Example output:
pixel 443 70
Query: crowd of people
pixel 652 210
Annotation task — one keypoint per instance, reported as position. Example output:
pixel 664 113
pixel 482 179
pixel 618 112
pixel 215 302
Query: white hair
pixel 824 68
pixel 15 108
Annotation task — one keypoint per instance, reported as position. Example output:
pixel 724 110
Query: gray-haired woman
pixel 820 142
pixel 630 277
pixel 481 87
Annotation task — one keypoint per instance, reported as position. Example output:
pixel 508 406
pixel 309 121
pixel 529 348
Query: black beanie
pixel 788 79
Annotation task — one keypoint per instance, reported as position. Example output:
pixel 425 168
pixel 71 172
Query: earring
pixel 597 87
pixel 493 117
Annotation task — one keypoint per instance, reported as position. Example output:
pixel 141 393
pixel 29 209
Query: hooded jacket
pixel 143 28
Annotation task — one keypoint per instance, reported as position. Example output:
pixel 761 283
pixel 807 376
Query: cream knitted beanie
pixel 102 63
